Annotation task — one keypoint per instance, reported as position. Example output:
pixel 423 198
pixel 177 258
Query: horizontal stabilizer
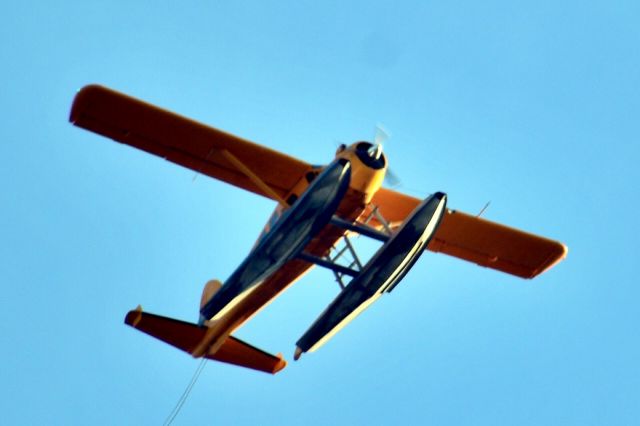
pixel 187 336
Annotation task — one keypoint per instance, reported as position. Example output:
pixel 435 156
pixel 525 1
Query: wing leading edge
pixel 183 141
pixel 479 240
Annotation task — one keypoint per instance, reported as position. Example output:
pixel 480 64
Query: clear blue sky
pixel 532 105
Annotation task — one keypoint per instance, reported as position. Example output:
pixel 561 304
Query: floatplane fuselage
pixel 317 207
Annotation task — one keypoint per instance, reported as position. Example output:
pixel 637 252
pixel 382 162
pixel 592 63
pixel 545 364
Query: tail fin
pixel 187 336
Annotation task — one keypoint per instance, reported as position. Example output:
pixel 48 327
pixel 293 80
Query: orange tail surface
pixel 187 336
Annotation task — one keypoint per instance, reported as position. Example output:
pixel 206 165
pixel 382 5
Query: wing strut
pixel 330 261
pixel 376 212
pixel 254 178
pixel 360 228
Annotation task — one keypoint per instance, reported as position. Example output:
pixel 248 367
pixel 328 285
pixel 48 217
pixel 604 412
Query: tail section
pixel 209 290
pixel 187 337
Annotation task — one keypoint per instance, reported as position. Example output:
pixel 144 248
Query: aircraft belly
pixel 351 207
pixel 385 269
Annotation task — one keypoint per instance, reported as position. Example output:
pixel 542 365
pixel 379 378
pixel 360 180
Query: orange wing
pixel 184 141
pixel 478 240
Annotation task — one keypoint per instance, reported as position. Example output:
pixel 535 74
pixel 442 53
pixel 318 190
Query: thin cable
pixel 183 398
pixel 185 394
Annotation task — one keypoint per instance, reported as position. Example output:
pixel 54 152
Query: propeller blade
pixel 392 179
pixel 381 135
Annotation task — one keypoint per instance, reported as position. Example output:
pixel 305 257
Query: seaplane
pixel 318 210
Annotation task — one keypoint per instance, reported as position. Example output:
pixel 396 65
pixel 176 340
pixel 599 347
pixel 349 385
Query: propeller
pixel 380 138
pixel 381 135
pixel 392 179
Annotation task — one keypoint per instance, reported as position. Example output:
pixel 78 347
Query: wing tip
pixel 280 365
pixel 82 97
pixel 560 252
pixel 133 317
